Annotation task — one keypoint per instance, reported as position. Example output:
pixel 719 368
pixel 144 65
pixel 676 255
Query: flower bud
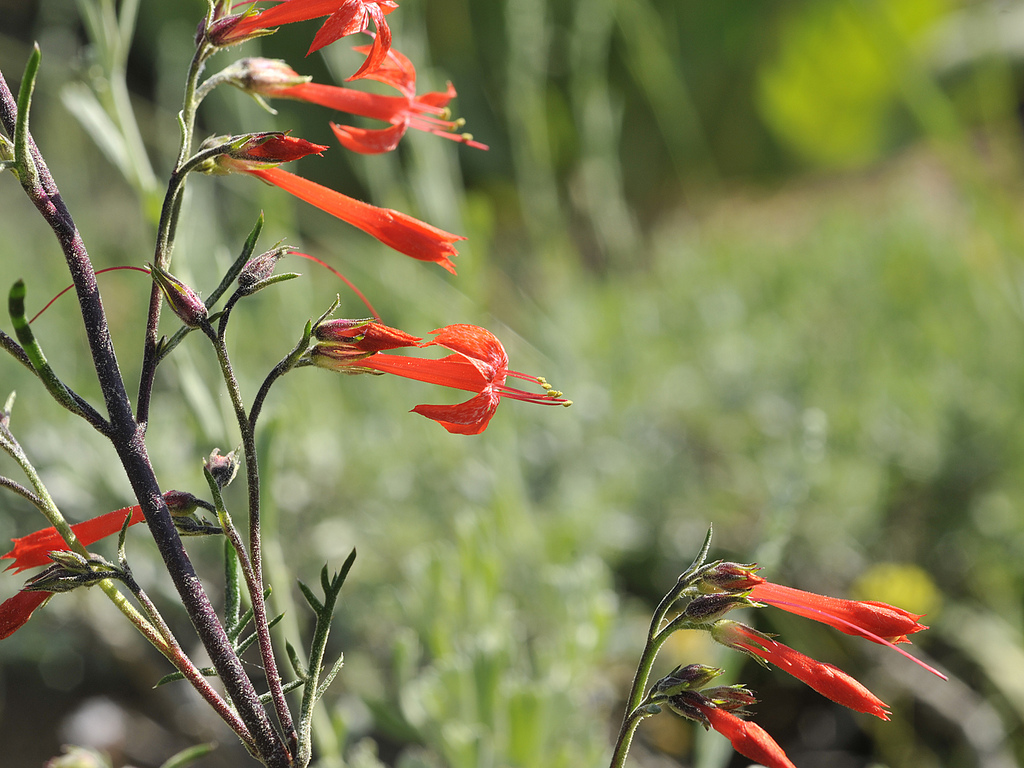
pixel 692 677
pixel 262 77
pixel 259 268
pixel 70 560
pixel 183 503
pixel 182 300
pixel 224 32
pixel 222 468
pixel 707 609
pixel 71 571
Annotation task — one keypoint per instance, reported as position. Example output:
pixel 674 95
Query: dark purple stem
pixel 128 439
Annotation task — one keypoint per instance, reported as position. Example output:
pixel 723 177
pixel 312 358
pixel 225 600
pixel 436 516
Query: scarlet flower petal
pixel 747 738
pixel 453 371
pixel 381 42
pixel 31 551
pixel 370 141
pixel 868 619
pixel 404 233
pixel 346 17
pixel 390 109
pixel 468 418
pixel 479 345
pixel 15 611
pixel 396 70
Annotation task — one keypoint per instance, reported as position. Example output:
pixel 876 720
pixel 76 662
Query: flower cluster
pixel 723 586
pixel 44 547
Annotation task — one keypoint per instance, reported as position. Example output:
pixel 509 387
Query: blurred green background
pixel 771 250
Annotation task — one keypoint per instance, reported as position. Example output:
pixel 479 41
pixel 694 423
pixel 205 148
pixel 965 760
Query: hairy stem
pixel 252 567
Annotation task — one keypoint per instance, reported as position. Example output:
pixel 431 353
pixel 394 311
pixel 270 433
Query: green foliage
pixel 840 71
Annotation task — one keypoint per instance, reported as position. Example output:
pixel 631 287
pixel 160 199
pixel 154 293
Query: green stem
pixel 252 564
pixel 656 637
pixel 168 226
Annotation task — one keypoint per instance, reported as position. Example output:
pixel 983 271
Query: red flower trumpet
pixel 404 233
pixel 747 738
pixel 826 679
pixel 873 620
pixel 427 112
pixel 479 364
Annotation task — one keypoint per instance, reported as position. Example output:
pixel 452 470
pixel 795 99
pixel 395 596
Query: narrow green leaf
pixel 27 339
pixel 698 561
pixel 315 604
pixel 188 756
pixel 287 688
pixel 322 688
pixel 23 156
pixel 170 678
pixel 297 665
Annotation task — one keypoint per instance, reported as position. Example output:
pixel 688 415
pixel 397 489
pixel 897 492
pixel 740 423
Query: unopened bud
pixel 222 468
pixel 707 609
pixel 691 677
pixel 68 559
pixel 183 503
pixel 259 268
pixel 182 300
pixel 71 571
pixel 225 32
pixel 262 77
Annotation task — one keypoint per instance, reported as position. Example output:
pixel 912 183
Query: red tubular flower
pixel 831 682
pixel 428 112
pixel 30 551
pixel 15 611
pixel 479 365
pixel 747 738
pixel 404 233
pixel 345 17
pixel 869 619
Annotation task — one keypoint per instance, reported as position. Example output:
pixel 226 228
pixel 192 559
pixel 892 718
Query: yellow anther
pixel 567 403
